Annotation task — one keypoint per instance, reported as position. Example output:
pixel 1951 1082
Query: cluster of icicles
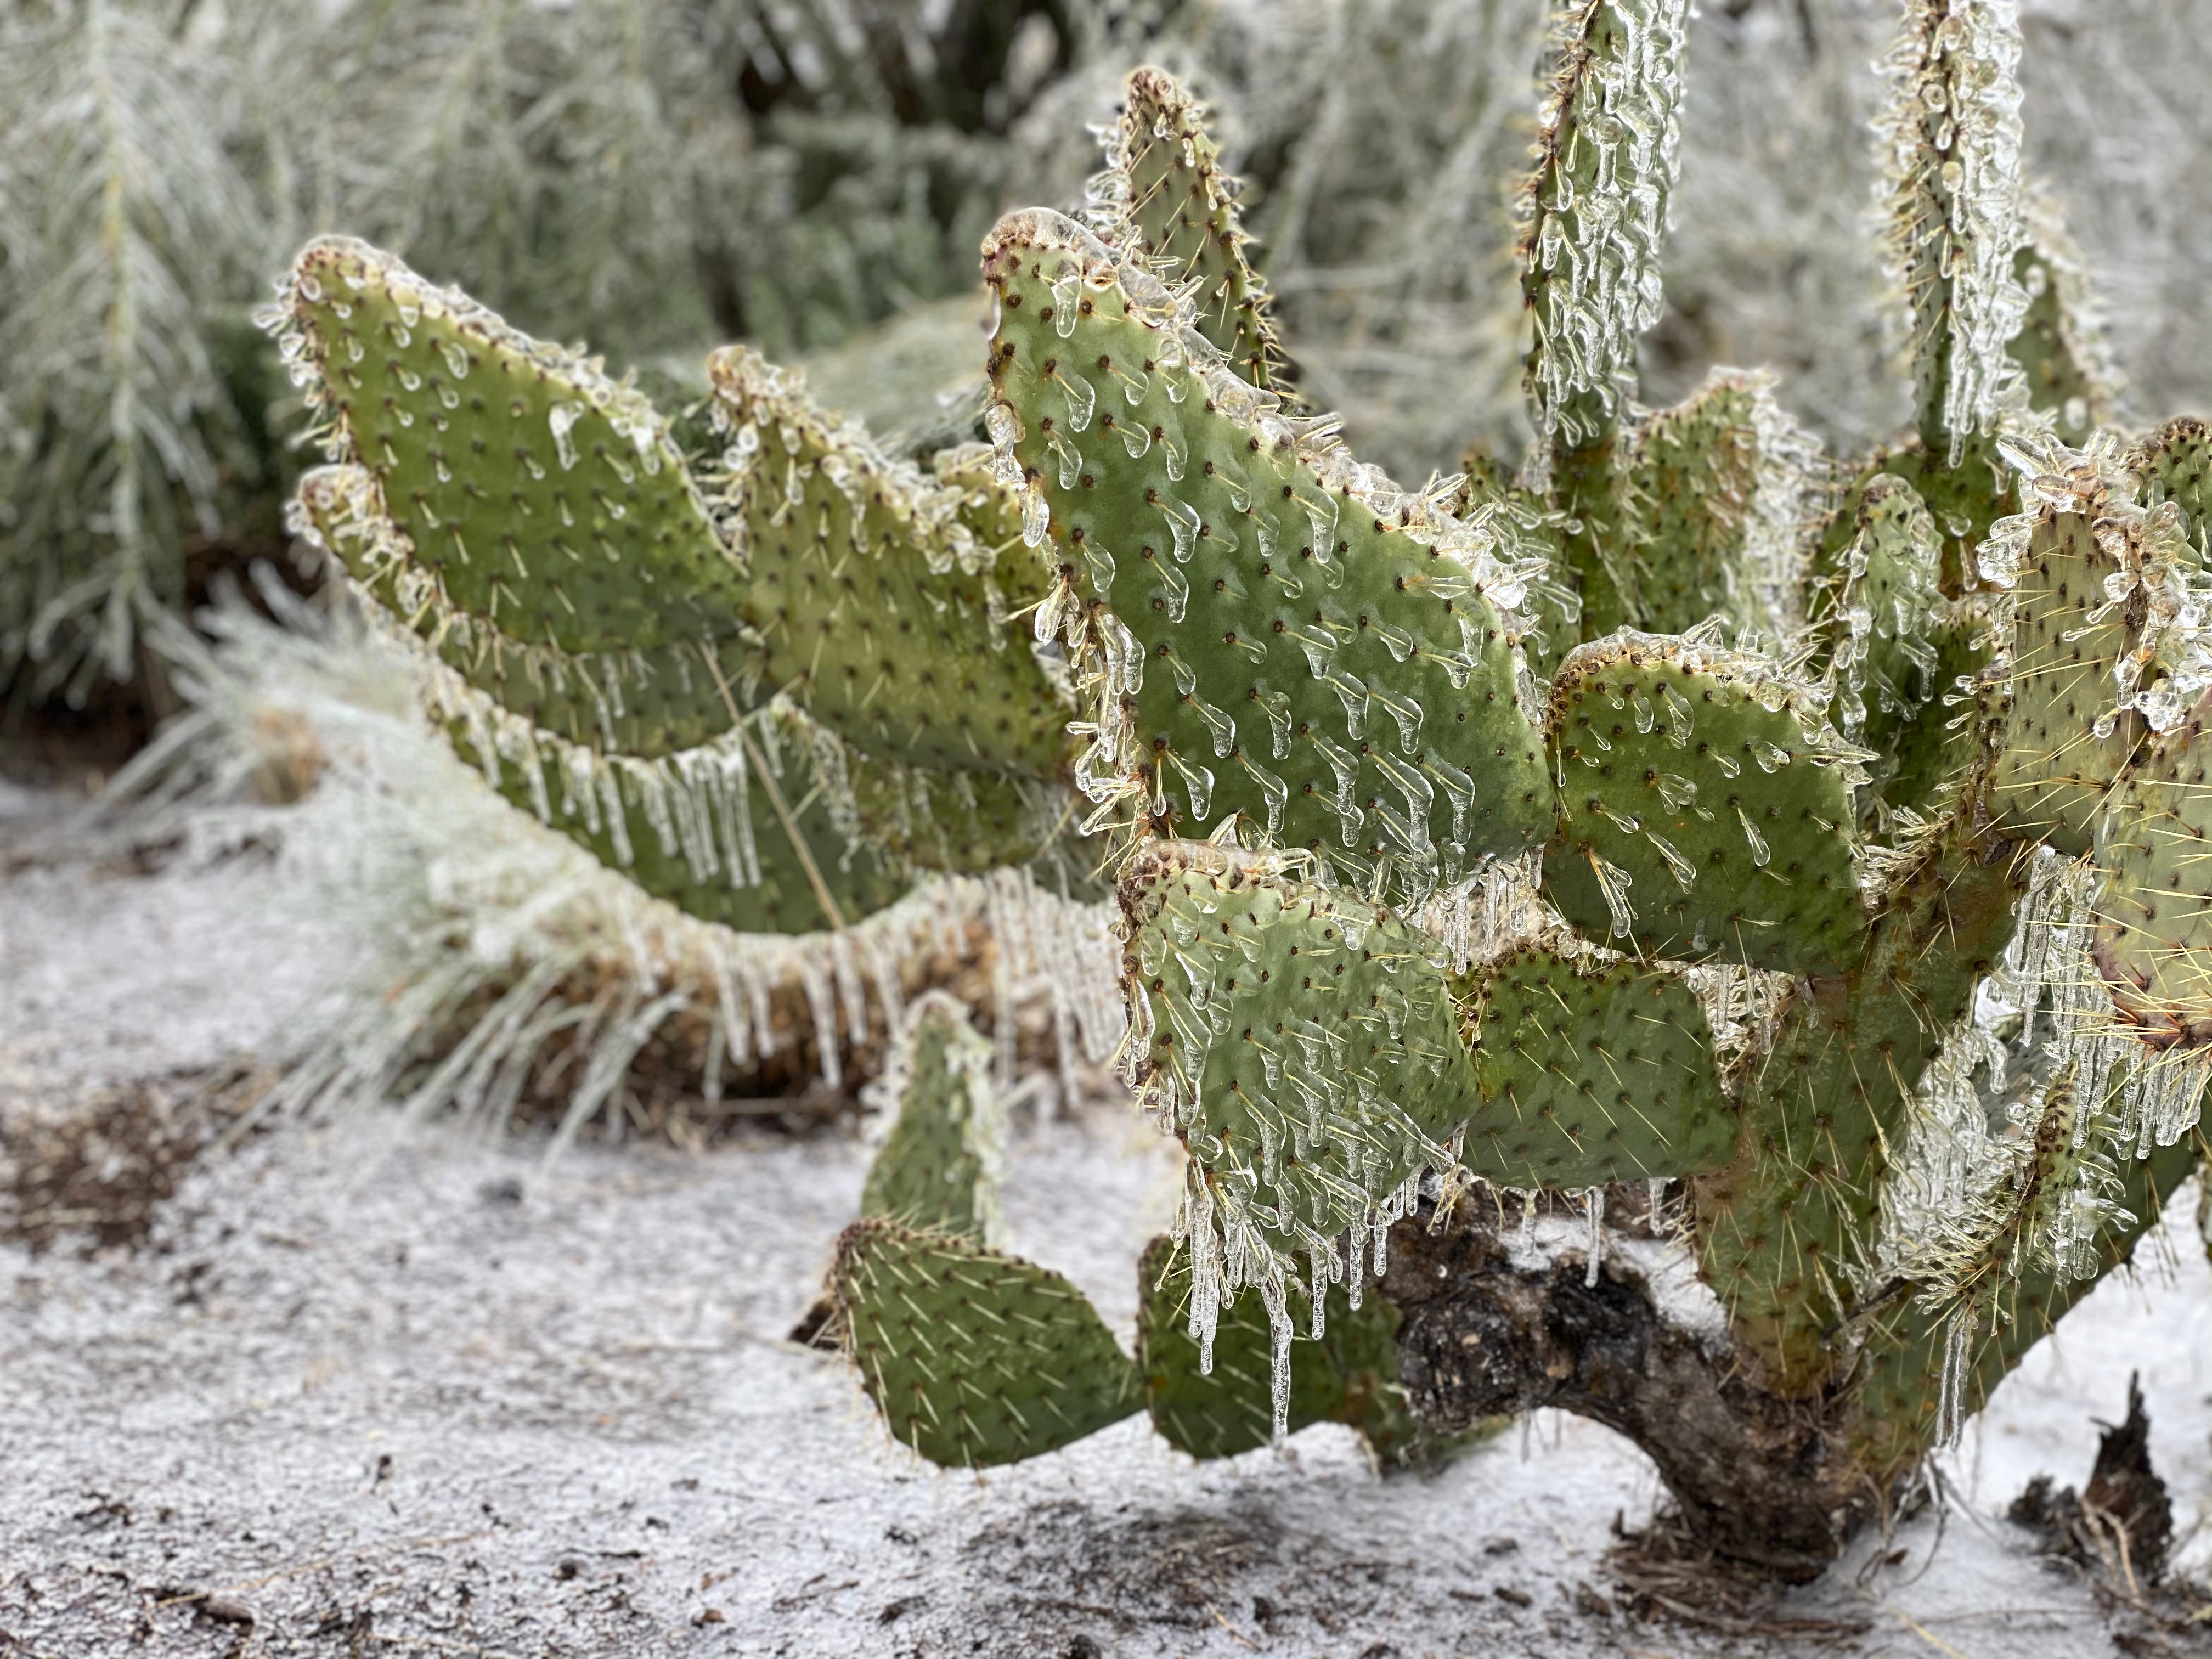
pixel 1593 249
pixel 2168 668
pixel 1952 129
pixel 1343 1158
pixel 1979 1196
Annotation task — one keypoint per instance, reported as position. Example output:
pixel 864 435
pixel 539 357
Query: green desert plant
pixel 1684 818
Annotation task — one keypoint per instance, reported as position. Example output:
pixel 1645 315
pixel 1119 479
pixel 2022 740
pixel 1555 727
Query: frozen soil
pixel 351 1390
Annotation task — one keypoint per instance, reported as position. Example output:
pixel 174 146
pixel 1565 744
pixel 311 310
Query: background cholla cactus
pixel 1682 818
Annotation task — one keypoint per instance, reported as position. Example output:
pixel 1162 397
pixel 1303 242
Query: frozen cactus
pixel 1685 826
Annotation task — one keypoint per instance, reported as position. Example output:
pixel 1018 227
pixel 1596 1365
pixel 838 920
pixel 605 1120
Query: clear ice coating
pixel 1598 249
pixel 1952 134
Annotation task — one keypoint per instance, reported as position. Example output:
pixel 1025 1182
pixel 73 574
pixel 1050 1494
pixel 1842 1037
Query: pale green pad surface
pixel 1307 1035
pixel 2057 381
pixel 2051 770
pixel 1782 1229
pixel 2153 938
pixel 1350 1375
pixel 1656 753
pixel 973 1356
pixel 1591 1072
pixel 541 496
pixel 935 1170
pixel 2176 465
pixel 1181 211
pixel 1691 490
pixel 877 606
pixel 1301 665
pixel 645 703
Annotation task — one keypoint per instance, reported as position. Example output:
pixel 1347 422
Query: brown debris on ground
pixel 98 1170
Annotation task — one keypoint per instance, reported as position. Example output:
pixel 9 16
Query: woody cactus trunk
pixel 1793 861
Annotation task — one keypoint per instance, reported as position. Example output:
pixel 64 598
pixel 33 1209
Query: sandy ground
pixel 356 1392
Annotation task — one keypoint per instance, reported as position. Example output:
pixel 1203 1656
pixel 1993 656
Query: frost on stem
pixel 1950 141
pixel 1594 212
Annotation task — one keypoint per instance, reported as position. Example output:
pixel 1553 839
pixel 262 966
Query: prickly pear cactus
pixel 1686 808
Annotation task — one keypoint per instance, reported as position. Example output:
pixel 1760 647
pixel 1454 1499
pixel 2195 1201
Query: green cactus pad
pixel 1594 208
pixel 1269 636
pixel 1693 510
pixel 1591 1072
pixel 1301 1041
pixel 646 704
pixel 1900 1379
pixel 1780 1231
pixel 1890 608
pixel 1350 1375
pixel 535 492
pixel 1938 745
pixel 877 608
pixel 939 1168
pixel 1965 501
pixel 2154 938
pixel 2175 464
pixel 1164 195
pixel 974 1357
pixel 2061 355
pixel 2052 771
pixel 1705 807
pixel 681 827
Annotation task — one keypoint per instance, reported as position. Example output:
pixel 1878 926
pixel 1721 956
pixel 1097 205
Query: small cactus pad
pixel 1691 517
pixel 645 703
pixel 1591 1072
pixel 1938 744
pixel 2059 349
pixel 939 1168
pixel 974 1357
pixel 1348 1374
pixel 1594 208
pixel 878 607
pixel 1892 605
pixel 2153 938
pixel 2052 769
pixel 1164 196
pixel 1302 1040
pixel 1705 807
pixel 2175 463
pixel 1901 1374
pixel 1965 501
pixel 1782 1229
pixel 538 493
pixel 1268 635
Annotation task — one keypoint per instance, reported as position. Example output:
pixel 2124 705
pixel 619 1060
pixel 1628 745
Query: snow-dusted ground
pixel 386 1393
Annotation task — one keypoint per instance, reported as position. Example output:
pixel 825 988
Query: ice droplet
pixel 1176 587
pixel 562 418
pixel 1036 517
pixel 1081 399
pixel 1759 854
pixel 457 360
pixel 1183 521
pixel 1277 707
